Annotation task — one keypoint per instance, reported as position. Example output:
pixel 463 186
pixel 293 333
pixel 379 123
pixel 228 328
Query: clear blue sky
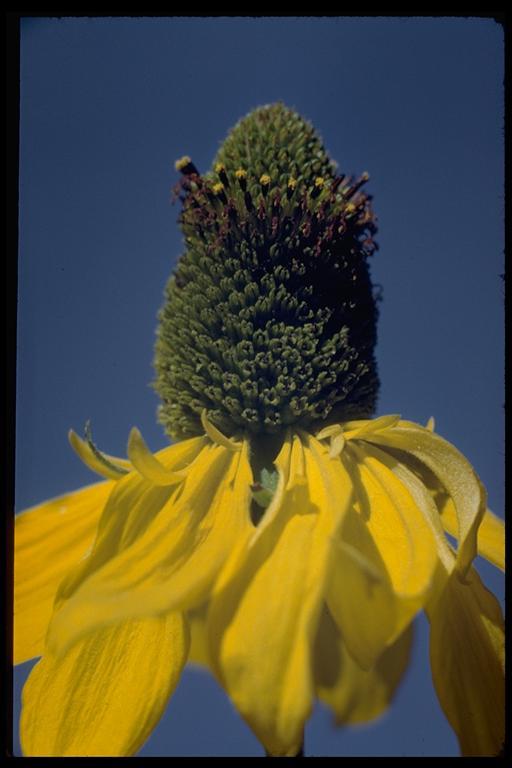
pixel 107 105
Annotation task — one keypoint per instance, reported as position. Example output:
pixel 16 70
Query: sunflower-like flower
pixel 286 539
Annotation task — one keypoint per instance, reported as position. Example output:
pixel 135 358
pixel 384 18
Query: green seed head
pixel 269 318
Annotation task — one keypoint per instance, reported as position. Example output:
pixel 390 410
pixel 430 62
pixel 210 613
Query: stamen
pixel 241 177
pixel 431 424
pixel 265 183
pixel 318 186
pixel 186 166
pixel 219 191
pixel 221 171
pixel 248 201
pixel 357 185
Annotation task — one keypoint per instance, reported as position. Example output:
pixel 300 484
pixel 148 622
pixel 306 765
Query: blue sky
pixel 107 105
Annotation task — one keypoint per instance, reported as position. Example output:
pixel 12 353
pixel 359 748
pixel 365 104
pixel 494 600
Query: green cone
pixel 269 318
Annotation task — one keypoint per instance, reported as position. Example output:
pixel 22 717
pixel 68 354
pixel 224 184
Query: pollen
pixel 292 183
pixel 218 188
pixel 319 182
pixel 182 162
pixel 240 173
pixel 265 179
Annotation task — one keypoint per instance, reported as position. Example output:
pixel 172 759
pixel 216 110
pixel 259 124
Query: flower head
pixel 270 319
pixel 287 539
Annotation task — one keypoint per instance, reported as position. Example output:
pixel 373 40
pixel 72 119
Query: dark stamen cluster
pixel 270 318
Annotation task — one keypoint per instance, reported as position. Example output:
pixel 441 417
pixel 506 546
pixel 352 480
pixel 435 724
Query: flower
pixel 287 539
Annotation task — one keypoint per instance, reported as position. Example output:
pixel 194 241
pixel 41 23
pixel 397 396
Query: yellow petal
pixel 130 510
pixel 179 456
pixel 133 504
pixel 337 445
pixel 467 643
pixel 467 659
pixel 175 555
pixel 393 534
pixel 106 695
pixel 353 694
pixel 109 467
pixel 425 502
pixel 360 594
pixel 331 431
pixel 146 464
pixel 216 435
pixel 491 533
pixel 491 539
pixel 50 539
pixel 453 472
pixel 199 651
pixel 366 427
pixel 262 624
pixel 427 491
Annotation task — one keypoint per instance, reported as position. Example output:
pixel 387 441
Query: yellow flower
pixel 351 547
pixel 286 540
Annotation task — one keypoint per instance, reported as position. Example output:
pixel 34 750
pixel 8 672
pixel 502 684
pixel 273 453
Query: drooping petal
pixel 199 650
pixel 426 504
pixel 356 695
pixel 466 641
pixel 392 535
pixel 146 464
pixel 216 436
pixel 107 693
pixel 106 466
pixel 179 456
pixel 262 623
pixel 467 660
pixel 454 473
pixel 366 427
pixel 50 539
pixel 130 510
pixel 132 506
pixel 172 559
pixel 491 533
pixel 491 539
pixel 360 594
